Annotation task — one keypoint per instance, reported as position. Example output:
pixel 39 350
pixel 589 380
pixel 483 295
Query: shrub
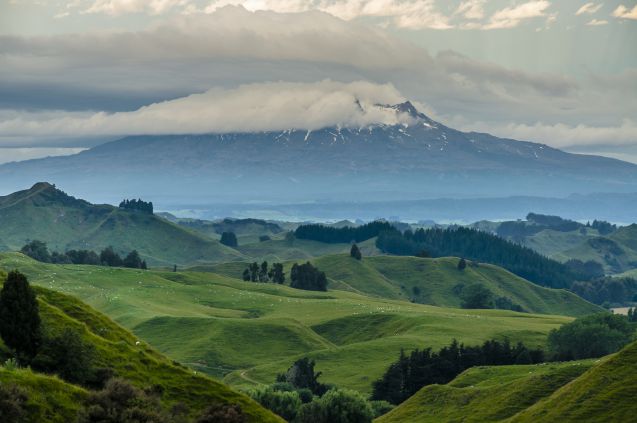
pixel 337 406
pixel 68 356
pixel 285 403
pixel 13 402
pixel 223 413
pixel 591 336
pixel 476 296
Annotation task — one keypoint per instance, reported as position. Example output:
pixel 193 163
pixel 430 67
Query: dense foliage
pixel 425 367
pixel 337 406
pixel 591 336
pixel 332 235
pixel 13 403
pixel 306 276
pixel 20 326
pixel 301 375
pixel 607 290
pixel 355 252
pixel 480 246
pixel 139 205
pixel 229 239
pixel 585 270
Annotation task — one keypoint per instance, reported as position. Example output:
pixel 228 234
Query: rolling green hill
pixel 248 332
pixel 435 280
pixel 131 359
pixel 585 391
pixel 64 222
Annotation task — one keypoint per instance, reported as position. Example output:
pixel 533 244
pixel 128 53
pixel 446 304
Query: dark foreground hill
pixel 45 213
pixel 53 400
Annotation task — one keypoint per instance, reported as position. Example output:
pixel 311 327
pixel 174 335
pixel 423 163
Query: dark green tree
pixel 462 264
pixel 68 356
pixel 254 272
pixel 302 375
pixel 337 406
pixel 133 260
pixel 306 276
pixel 13 404
pixel 109 257
pixel 263 272
pixel 37 250
pixel 20 317
pixel 246 274
pixel 476 296
pixel 229 239
pixel 277 275
pixel 355 252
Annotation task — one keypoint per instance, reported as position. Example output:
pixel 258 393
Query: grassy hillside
pixel 486 394
pixel 435 280
pixel 129 358
pixel 582 391
pixel 47 214
pixel 249 332
pixel 605 393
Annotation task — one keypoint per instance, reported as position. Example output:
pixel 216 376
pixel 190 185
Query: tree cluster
pixel 332 235
pixel 590 336
pixel 306 276
pixel 478 296
pixel 585 270
pixel 263 273
pixel 632 315
pixel 479 246
pixel 229 239
pixel 38 250
pixel 138 205
pixel 603 227
pixel 607 290
pixel 425 367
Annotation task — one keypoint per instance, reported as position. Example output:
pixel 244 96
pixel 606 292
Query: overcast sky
pixel 559 72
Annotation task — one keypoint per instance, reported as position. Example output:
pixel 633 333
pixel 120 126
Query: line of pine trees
pixel 39 251
pixel 332 235
pixel 139 205
pixel 264 273
pixel 425 367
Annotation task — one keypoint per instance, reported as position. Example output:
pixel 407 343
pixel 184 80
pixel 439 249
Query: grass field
pixel 54 400
pixel 583 391
pixel 249 332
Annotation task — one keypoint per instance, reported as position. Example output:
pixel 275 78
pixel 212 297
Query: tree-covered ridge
pixel 139 204
pixel 425 367
pixel 331 235
pixel 479 246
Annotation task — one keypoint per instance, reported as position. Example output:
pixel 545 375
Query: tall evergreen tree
pixel 277 273
pixel 20 317
pixel 355 252
pixel 263 272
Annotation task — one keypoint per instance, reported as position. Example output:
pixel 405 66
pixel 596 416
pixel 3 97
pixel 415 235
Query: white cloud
pixel 589 8
pixel 597 22
pixel 623 12
pixel 121 7
pixel 248 108
pixel 561 135
pixel 511 17
pixel 471 9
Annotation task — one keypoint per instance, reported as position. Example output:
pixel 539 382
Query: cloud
pixel 121 7
pixel 471 9
pixel 623 12
pixel 565 136
pixel 511 17
pixel 597 22
pixel 589 8
pixel 248 108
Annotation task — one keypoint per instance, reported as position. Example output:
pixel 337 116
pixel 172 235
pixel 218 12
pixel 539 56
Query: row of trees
pixel 139 205
pixel 38 250
pixel 426 367
pixel 607 290
pixel 332 235
pixel 263 273
pixel 479 246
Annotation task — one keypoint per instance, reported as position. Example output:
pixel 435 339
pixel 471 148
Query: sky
pixel 76 73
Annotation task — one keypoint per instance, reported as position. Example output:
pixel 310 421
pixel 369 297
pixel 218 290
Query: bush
pixel 285 403
pixel 476 296
pixel 121 402
pixel 68 356
pixel 229 239
pixel 13 401
pixel 337 406
pixel 37 250
pixel 223 413
pixel 381 407
pixel 591 336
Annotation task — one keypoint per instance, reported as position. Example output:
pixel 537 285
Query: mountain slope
pixel 416 160
pixel 129 358
pixel 45 213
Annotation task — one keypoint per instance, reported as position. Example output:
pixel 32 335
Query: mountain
pixel 418 159
pixel 46 213
pixel 581 391
pixel 53 400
